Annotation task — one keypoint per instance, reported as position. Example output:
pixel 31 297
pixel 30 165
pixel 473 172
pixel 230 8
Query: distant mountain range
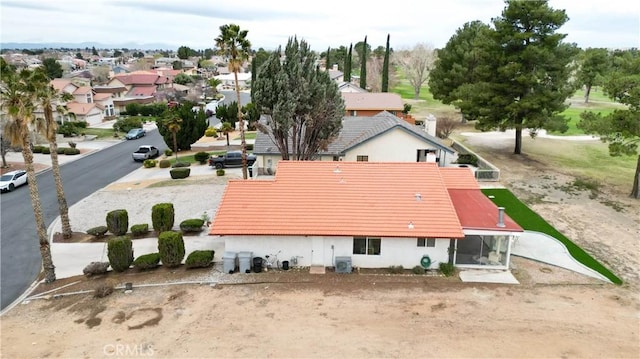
pixel 84 45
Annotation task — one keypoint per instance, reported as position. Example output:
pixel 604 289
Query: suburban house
pixel 135 87
pixel 350 87
pixel 228 81
pixel 380 138
pixel 372 103
pixel 85 105
pixel 335 74
pixel 367 215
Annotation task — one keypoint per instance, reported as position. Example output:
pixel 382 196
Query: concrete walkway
pixel 544 248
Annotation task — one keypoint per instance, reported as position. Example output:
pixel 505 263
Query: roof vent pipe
pixel 500 217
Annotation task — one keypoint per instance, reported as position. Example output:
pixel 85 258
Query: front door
pixel 317 251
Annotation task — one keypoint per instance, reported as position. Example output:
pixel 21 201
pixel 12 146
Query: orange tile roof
pixel 372 101
pixel 458 178
pixel 83 90
pixel 81 109
pixel 476 211
pixel 361 199
pixel 60 84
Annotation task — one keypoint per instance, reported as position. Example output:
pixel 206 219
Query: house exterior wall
pixel 393 251
pixel 395 146
pixel 94 117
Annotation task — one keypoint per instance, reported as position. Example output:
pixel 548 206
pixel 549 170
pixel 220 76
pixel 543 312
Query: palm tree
pixel 233 43
pixel 47 98
pixel 173 125
pixel 18 97
pixel 226 128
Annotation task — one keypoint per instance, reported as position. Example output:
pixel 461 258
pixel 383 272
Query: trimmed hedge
pixel 118 221
pixel 162 217
pixel 211 132
pixel 37 149
pixel 98 231
pixel 171 248
pixel 71 151
pixel 467 159
pixel 140 229
pixel 180 173
pixel 164 164
pixel 147 261
pixel 201 157
pixel 219 172
pixel 192 225
pixel 168 152
pixel 46 150
pixel 180 164
pixel 149 163
pixel 120 253
pixel 199 259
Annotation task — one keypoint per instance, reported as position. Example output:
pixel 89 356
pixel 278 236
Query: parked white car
pixel 10 180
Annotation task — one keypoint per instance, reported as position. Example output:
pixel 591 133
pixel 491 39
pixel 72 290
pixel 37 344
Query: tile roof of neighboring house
pixel 137 91
pixel 334 74
pixel 401 199
pixel 349 87
pixel 83 90
pixel 60 84
pixel 109 89
pixel 101 96
pixel 355 131
pixel 142 78
pixel 81 109
pixel 372 101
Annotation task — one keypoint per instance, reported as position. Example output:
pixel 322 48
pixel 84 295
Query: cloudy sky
pixel 195 23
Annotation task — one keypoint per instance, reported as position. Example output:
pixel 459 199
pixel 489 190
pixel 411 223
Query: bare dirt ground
pixel 552 313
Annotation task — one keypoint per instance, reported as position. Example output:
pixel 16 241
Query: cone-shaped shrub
pixel 171 248
pixel 162 217
pixel 118 222
pixel 120 253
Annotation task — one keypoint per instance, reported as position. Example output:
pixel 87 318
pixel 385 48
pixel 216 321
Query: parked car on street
pixel 145 152
pixel 10 180
pixel 231 159
pixel 135 133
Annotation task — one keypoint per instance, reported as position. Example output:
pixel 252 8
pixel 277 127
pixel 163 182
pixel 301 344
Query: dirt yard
pixel 552 313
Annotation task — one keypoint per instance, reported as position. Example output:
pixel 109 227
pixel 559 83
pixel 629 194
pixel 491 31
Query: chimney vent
pixel 500 217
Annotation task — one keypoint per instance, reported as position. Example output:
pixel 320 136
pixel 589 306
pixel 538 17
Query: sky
pixel 270 23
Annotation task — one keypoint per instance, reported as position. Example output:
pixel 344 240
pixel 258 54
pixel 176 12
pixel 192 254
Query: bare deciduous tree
pixel 416 64
pixel 445 127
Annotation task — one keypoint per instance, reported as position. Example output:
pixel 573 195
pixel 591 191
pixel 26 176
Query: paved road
pixel 20 256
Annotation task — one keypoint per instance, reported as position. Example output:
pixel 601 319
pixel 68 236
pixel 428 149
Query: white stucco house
pixel 380 138
pixel 366 214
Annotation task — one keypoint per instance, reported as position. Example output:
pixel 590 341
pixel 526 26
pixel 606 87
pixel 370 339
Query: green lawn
pixel 102 133
pixel 249 135
pixel 530 220
pixel 573 113
pixel 190 159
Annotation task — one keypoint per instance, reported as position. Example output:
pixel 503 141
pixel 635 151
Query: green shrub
pixel 149 163
pixel 396 269
pixel 179 173
pixel 211 132
pixel 98 231
pixel 180 164
pixel 69 129
pixel 147 261
pixel 418 270
pixel 46 150
pixel 60 150
pixel 125 124
pixel 140 229
pixel 164 164
pixel 249 146
pixel 201 157
pixel 162 217
pixel 191 225
pixel 199 259
pixel 71 151
pixel 171 248
pixel 219 172
pixel 120 253
pixel 448 269
pixel 468 159
pixel 118 221
pixel 37 149
pixel 168 152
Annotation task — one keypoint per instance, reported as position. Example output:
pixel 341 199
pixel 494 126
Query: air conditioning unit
pixel 343 265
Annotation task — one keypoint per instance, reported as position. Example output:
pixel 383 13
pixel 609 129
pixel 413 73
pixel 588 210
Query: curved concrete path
pixel 544 248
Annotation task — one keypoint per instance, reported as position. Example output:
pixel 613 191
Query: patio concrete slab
pixel 546 249
pixel 488 276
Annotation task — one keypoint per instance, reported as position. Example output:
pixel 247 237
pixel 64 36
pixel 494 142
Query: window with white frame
pixel 366 245
pixel 426 242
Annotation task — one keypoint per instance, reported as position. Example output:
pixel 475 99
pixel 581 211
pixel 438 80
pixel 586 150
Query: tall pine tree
pixel 328 65
pixel 363 66
pixel 347 65
pixel 385 69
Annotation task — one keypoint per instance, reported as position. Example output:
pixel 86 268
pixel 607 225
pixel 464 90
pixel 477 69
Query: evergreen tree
pixel 385 68
pixel 304 104
pixel 52 68
pixel 347 65
pixel 328 64
pixel 192 127
pixel 363 66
